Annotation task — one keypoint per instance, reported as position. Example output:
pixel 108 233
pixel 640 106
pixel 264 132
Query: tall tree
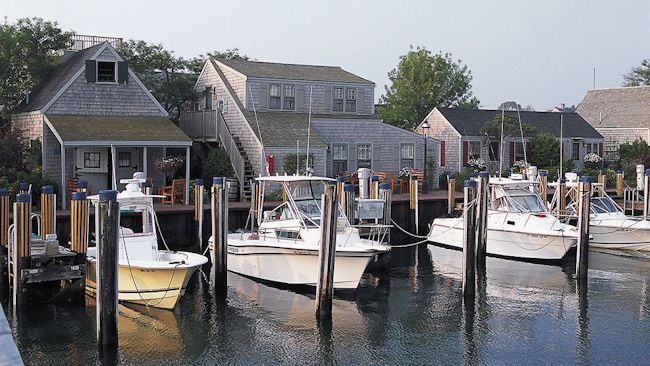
pixel 639 75
pixel 29 51
pixel 421 82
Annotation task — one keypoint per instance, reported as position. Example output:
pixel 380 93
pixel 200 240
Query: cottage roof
pixel 284 129
pixel 116 130
pixel 274 70
pixel 617 107
pixel 468 122
pixel 59 77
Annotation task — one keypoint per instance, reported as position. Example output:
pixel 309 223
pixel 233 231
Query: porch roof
pixel 83 130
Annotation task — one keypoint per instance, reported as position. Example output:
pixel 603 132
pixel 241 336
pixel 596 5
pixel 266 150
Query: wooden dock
pixel 9 355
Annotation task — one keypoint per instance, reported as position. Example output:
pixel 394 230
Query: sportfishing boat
pixel 285 247
pixel 146 275
pixel 609 227
pixel 518 223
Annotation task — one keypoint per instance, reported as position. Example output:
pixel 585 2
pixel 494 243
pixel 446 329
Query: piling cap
pixel 348 187
pixel 78 196
pixel 4 192
pixel 587 179
pixel 47 190
pixel 384 185
pixel 198 182
pixel 470 183
pixel 562 181
pixel 217 180
pixel 330 183
pixel 543 174
pixel 146 184
pixel 474 175
pixel 339 178
pixel 24 186
pixel 414 178
pixel 107 196
pixel 374 178
pixel 82 184
pixel 23 197
pixel 484 174
pixel 647 172
pixel 619 171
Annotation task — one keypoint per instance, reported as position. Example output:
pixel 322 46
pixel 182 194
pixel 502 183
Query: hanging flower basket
pixel 168 165
pixel 592 160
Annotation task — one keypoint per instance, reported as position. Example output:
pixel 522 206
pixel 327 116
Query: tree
pixel 639 75
pixel 217 164
pixel 421 82
pixel 492 128
pixel 545 150
pixel 514 106
pixel 30 49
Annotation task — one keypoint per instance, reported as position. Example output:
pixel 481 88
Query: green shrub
pixel 289 164
pixel 11 179
pixel 217 165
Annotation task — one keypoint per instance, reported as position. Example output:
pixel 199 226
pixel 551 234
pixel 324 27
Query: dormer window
pixel 350 100
pixel 106 71
pixel 337 105
pixel 274 96
pixel 289 102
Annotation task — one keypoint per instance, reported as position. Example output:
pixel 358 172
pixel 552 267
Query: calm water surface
pixel 524 314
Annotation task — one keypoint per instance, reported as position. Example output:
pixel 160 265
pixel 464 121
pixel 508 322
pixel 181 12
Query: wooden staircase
pixel 249 174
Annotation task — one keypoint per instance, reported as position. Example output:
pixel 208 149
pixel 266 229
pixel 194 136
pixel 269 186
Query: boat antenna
pixel 297 156
pixel 311 89
pixel 559 176
pixel 503 116
pixel 521 131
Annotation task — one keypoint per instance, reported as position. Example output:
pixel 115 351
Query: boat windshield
pixel 603 205
pixel 307 196
pixel 521 201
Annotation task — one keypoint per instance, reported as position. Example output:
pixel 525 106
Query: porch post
pixel 187 175
pixel 64 187
pixel 113 169
pixel 144 161
pixel 164 154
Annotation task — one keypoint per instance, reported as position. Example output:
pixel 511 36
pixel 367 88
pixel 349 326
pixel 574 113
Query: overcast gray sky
pixel 540 53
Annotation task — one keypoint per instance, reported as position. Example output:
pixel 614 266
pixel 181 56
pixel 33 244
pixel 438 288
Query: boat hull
pixel 510 244
pixel 157 285
pixel 619 238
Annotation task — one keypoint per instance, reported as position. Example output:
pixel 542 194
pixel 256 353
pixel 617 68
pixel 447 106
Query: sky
pixel 536 52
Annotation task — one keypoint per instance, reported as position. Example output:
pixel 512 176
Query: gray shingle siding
pixel 236 81
pixel 29 123
pixel 440 129
pixel 280 153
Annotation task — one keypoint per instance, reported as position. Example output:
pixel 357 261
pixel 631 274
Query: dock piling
pixel 107 222
pixel 469 240
pixel 374 187
pixel 219 255
pixel 481 220
pixel 348 198
pixel 619 183
pixel 48 211
pixel 327 254
pixel 79 223
pixel 386 194
pixel 602 179
pixel 561 198
pixel 646 195
pixel 24 188
pixel 21 254
pixel 543 186
pixel 4 240
pixel 198 210
pixel 451 194
pixel 253 214
pixel 413 198
pixel 582 249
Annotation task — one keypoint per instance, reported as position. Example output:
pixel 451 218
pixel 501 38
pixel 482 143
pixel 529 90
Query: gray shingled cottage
pixel 97 122
pixel 459 133
pixel 259 111
pixel 621 115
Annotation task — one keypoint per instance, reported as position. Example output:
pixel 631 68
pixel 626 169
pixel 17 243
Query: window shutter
pixel 208 98
pixel 300 97
pixel 528 150
pixel 600 150
pixel 465 152
pixel 91 71
pixel 442 152
pixel 262 100
pixel 328 99
pixel 122 72
pixel 512 153
pixel 360 96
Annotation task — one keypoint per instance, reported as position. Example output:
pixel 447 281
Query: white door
pixel 92 166
pixel 127 162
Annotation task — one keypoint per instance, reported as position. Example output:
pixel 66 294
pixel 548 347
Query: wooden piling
pixel 327 254
pixel 24 188
pixel 253 214
pixel 469 240
pixel 561 198
pixel 582 248
pixel 107 222
pixel 348 207
pixel 146 188
pixel 198 210
pixel 451 194
pixel 21 252
pixel 374 187
pixel 646 195
pixel 4 218
pixel 219 254
pixel 619 183
pixel 602 180
pixel 340 183
pixel 79 223
pixel 481 221
pixel 82 186
pixel 543 186
pixel 48 211
pixel 413 198
pixel 386 194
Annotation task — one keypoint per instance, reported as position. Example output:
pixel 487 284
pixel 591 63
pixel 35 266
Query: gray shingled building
pixel 97 122
pixel 260 112
pixel 459 133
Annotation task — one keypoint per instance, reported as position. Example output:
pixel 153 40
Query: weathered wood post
pixel 4 240
pixel 646 194
pixel 146 188
pixel 543 186
pixel 561 199
pixel 327 254
pixel 348 192
pixel 254 204
pixel 21 252
pixel 374 187
pixel 602 179
pixel 48 211
pixel 82 186
pixel 198 210
pixel 107 222
pixel 413 194
pixel 23 188
pixel 219 254
pixel 451 193
pixel 582 249
pixel 340 182
pixel 79 223
pixel 469 240
pixel 386 194
pixel 481 221
pixel 619 183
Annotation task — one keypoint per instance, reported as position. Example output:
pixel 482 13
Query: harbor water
pixel 411 315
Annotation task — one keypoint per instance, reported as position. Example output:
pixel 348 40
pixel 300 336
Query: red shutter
pixel 442 153
pixel 512 153
pixel 528 150
pixel 465 152
pixel 600 150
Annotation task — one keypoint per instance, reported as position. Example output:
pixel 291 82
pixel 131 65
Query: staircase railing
pixel 228 142
pixel 200 125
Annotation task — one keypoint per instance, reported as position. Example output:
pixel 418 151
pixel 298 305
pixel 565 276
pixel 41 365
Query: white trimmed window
pixel 337 103
pixel 519 151
pixel 575 150
pixel 407 155
pixel 474 149
pixel 350 100
pixel 275 97
pixel 91 160
pixel 339 158
pixel 106 71
pixel 289 101
pixel 364 156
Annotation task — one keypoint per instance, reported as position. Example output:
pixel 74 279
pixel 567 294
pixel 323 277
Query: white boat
pixel 146 275
pixel 519 225
pixel 609 227
pixel 285 247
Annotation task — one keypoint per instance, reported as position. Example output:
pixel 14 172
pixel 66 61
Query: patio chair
pixel 173 194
